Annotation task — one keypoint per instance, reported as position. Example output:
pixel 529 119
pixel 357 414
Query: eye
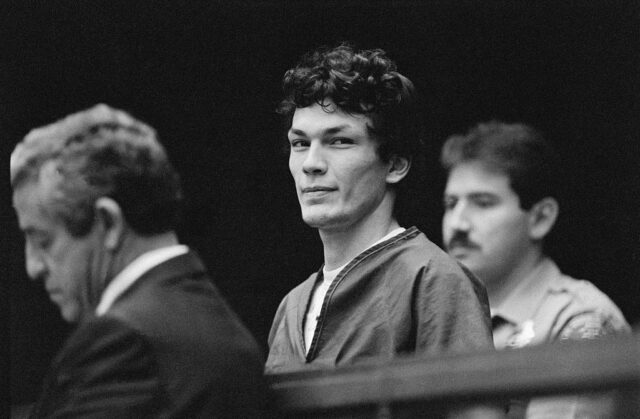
pixel 484 202
pixel 297 143
pixel 43 243
pixel 342 141
pixel 449 203
pixel 38 241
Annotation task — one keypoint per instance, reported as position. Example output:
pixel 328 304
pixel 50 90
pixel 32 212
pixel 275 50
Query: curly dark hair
pixel 358 82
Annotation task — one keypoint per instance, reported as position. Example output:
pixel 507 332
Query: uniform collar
pixel 525 299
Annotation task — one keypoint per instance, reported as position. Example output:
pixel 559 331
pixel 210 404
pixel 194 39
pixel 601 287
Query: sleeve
pixel 284 354
pixel 591 325
pixel 452 311
pixel 277 321
pixel 107 370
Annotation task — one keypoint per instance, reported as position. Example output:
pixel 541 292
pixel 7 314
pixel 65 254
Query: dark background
pixel 207 76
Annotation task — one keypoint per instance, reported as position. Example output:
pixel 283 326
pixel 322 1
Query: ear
pixel 542 217
pixel 398 168
pixel 109 215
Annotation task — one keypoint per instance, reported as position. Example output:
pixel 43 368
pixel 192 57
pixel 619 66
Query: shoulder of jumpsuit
pixel 401 238
pixel 394 242
pixel 415 249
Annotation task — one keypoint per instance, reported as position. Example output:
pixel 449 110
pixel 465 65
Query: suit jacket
pixel 168 347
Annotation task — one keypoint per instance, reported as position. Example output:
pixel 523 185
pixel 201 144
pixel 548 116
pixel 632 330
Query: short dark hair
pixel 102 152
pixel 515 149
pixel 359 82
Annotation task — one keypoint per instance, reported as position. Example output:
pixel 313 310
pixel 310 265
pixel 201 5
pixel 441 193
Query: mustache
pixel 460 239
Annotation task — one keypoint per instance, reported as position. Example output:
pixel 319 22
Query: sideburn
pixel 99 275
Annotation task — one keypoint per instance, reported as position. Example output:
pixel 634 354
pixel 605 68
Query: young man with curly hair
pixel 383 290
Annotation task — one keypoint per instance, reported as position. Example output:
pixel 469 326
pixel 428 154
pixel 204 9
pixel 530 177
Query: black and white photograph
pixel 322 209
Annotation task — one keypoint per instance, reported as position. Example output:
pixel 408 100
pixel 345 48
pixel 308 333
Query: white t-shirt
pixel 311 318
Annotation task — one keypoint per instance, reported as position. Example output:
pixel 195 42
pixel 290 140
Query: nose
pixel 36 267
pixel 314 160
pixel 457 218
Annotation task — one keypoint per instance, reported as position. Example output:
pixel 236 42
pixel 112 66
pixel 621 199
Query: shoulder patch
pixel 587 326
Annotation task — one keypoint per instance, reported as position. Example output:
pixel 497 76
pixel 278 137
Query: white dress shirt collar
pixel 129 275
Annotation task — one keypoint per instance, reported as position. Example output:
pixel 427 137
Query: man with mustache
pixel 499 205
pixel 383 290
pixel 98 202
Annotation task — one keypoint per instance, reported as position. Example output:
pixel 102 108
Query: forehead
pixel 30 201
pixel 316 119
pixel 475 177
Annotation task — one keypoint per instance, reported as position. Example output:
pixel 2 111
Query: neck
pixel 134 245
pixel 342 245
pixel 499 289
pixel 107 264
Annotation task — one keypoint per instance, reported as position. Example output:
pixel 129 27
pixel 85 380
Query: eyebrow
pixel 482 194
pixel 328 131
pixel 473 194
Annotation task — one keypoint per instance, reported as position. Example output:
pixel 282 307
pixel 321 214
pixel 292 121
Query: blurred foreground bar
pixel 431 387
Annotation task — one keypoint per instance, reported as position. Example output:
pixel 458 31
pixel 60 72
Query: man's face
pixel 61 261
pixel 339 176
pixel 484 226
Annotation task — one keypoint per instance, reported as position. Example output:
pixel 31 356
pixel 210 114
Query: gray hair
pixel 98 152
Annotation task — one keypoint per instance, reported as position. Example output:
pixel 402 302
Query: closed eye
pixel 484 202
pixel 449 203
pixel 38 240
pixel 298 143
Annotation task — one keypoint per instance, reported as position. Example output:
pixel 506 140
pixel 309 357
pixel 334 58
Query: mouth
pixel 55 297
pixel 52 291
pixel 316 191
pixel 460 250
